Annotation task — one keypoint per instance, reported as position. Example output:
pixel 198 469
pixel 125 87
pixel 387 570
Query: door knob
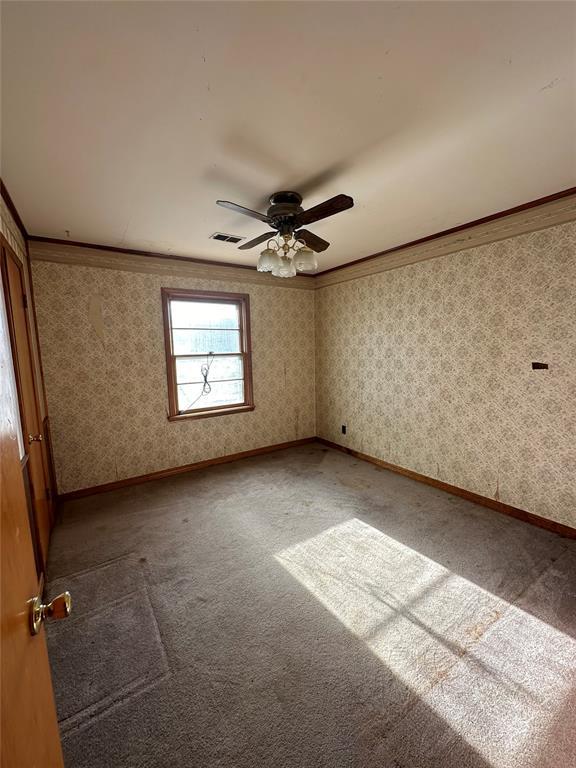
pixel 59 608
pixel 34 439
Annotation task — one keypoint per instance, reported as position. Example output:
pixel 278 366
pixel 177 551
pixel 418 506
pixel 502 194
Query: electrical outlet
pixel 343 429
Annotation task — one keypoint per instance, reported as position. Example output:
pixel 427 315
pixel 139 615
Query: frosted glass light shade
pixel 285 268
pixel 305 260
pixel 268 260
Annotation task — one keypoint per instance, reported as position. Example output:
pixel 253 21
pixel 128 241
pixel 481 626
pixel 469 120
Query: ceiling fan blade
pixel 257 240
pixel 312 240
pixel 246 211
pixel 325 209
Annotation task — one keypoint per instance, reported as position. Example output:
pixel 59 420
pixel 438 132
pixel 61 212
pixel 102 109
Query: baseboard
pixel 485 501
pixel 82 492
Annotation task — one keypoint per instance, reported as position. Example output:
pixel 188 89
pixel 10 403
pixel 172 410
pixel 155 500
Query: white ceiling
pixel 123 122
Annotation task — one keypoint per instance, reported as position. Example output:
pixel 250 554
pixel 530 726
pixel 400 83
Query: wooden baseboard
pixel 82 492
pixel 485 501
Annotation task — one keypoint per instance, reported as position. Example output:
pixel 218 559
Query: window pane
pixel 222 393
pixel 188 369
pixel 202 342
pixel 204 314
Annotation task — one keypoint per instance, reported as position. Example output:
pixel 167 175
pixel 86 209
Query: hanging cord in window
pixel 204 370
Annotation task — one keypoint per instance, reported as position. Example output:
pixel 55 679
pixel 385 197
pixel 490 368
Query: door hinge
pixel 25 301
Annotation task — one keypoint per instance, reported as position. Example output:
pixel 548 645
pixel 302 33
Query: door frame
pixel 30 734
pixel 7 252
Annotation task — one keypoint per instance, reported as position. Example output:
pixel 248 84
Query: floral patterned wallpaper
pixel 430 367
pixel 102 342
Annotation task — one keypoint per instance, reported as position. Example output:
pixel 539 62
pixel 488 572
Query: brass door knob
pixel 59 608
pixel 34 439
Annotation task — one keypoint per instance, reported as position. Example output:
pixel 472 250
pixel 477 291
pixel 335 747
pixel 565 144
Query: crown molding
pixel 11 224
pixel 117 249
pixel 63 252
pixel 13 210
pixel 541 214
pixel 529 217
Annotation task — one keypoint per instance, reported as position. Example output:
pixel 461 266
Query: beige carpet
pixel 306 609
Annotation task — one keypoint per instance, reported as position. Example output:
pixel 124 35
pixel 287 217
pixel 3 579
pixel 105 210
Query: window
pixel 208 357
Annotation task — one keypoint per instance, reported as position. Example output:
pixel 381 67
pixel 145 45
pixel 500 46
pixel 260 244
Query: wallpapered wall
pixel 429 365
pixel 102 342
pixel 430 368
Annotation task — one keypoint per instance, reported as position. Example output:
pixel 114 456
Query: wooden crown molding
pixel 86 255
pixel 12 208
pixel 545 212
pixel 136 252
pixel 11 225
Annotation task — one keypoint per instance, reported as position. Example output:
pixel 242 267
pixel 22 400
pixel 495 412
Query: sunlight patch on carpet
pixel 495 673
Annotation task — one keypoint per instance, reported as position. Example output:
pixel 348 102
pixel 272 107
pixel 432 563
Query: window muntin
pixel 207 352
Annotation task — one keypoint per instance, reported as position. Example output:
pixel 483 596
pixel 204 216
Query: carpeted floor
pixel 306 609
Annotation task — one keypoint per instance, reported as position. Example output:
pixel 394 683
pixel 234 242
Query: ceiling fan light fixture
pixel 268 261
pixel 285 268
pixel 305 260
pixel 291 249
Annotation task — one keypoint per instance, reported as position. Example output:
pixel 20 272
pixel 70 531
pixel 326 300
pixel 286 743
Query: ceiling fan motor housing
pixel 291 198
pixel 284 206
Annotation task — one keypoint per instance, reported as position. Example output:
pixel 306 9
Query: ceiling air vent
pixel 223 237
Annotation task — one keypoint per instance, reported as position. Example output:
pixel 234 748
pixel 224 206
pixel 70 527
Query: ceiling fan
pixel 286 216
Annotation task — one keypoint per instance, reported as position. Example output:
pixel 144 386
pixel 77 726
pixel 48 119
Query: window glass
pixel 189 369
pixel 221 393
pixel 195 342
pixel 207 353
pixel 203 314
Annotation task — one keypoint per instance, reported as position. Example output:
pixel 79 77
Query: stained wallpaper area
pixel 430 367
pixel 102 342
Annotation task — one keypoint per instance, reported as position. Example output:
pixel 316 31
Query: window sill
pixel 213 412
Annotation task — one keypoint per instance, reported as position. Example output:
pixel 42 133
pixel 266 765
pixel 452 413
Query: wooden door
pixel 36 454
pixel 28 720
